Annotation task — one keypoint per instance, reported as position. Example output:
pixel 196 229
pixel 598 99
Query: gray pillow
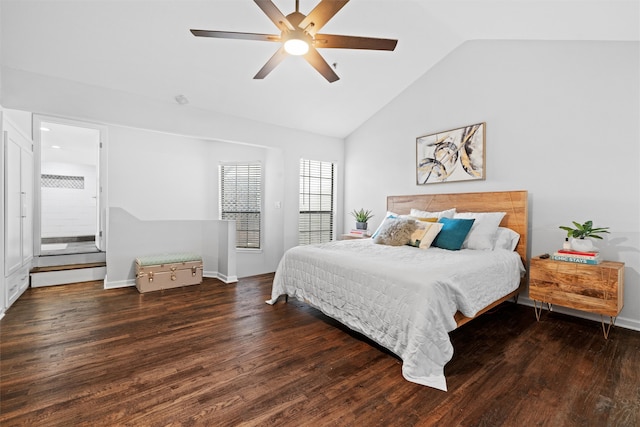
pixel 395 231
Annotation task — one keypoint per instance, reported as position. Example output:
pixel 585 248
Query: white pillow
pixel 449 213
pixel 506 238
pixel 483 232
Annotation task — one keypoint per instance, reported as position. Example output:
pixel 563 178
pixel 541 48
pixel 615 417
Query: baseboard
pixel 627 323
pixel 64 277
pixel 221 277
pixel 118 284
pixel 132 282
pixel 623 322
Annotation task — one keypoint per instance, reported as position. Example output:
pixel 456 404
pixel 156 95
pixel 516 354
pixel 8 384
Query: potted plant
pixel 362 217
pixel 580 232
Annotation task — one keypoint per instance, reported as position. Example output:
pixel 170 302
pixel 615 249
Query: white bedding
pixel 404 298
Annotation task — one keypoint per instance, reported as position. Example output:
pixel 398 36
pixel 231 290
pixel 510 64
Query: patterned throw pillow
pixel 425 233
pixel 395 231
pixel 388 215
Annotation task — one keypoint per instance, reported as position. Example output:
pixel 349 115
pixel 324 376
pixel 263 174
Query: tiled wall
pixel 68 200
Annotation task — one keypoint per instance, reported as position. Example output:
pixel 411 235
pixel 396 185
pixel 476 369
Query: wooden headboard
pixel 514 203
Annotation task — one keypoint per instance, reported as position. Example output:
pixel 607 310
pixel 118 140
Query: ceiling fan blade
pixel 321 14
pixel 272 11
pixel 316 60
pixel 234 35
pixel 271 64
pixel 353 42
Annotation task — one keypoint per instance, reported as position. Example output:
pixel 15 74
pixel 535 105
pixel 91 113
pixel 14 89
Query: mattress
pixel 404 298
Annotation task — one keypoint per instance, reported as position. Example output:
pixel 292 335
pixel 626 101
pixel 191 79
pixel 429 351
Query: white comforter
pixel 403 298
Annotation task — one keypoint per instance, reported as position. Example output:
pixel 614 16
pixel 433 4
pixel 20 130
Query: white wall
pixel 69 212
pixel 131 237
pixel 563 122
pixel 284 148
pixel 159 176
pixel 154 136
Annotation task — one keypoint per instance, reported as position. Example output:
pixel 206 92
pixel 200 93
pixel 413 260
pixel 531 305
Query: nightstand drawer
pixel 594 288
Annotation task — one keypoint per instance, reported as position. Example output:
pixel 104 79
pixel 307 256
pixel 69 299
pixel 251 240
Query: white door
pixel 13 205
pixel 18 199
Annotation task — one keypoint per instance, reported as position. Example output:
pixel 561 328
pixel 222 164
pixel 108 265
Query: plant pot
pixel 361 225
pixel 582 245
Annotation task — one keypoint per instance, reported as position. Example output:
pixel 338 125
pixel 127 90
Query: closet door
pixel 18 182
pixel 26 200
pixel 13 205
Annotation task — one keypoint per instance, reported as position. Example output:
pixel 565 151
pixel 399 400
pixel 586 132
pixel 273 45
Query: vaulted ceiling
pixel 144 47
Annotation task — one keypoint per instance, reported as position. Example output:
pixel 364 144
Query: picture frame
pixel 451 156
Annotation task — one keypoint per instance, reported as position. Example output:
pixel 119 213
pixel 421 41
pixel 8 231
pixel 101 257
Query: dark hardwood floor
pixel 216 354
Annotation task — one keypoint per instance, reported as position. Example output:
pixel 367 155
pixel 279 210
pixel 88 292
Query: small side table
pixel 349 236
pixel 596 288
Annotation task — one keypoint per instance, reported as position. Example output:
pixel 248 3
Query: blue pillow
pixel 453 233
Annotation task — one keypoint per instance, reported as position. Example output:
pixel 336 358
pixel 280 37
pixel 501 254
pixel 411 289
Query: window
pixel 241 200
pixel 315 224
pixel 62 181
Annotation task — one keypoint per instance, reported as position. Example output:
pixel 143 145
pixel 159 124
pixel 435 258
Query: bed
pixel 405 298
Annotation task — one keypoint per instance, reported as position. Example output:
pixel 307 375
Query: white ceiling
pixel 144 47
pixel 60 143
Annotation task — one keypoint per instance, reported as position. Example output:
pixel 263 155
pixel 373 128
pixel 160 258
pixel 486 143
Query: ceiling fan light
pixel 295 46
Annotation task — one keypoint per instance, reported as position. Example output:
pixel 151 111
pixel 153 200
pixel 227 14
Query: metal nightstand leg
pixel 606 329
pixel 538 310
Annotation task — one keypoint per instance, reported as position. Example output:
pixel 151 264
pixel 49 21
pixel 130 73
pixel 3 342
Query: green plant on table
pixel 362 215
pixel 580 231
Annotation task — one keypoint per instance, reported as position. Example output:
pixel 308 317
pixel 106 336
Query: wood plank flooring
pixel 216 354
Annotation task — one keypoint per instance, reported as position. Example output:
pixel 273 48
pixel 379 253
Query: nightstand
pixel 596 289
pixel 353 236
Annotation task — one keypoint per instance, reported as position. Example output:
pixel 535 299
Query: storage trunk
pixel 157 272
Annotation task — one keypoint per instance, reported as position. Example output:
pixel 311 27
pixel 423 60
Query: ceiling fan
pixel 299 36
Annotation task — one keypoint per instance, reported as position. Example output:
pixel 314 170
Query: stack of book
pixel 358 232
pixel 569 255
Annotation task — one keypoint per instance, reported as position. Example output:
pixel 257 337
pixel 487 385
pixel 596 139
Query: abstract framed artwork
pixel 453 155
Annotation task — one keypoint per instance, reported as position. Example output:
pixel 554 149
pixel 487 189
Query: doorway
pixel 68 206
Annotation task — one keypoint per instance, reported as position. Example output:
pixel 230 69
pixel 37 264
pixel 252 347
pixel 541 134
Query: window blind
pixel 315 223
pixel 241 200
